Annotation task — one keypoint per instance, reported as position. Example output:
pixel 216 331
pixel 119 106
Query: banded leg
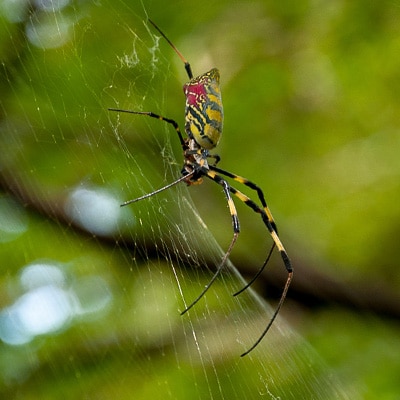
pixel 265 212
pixel 277 242
pixel 235 226
pixel 252 186
pixel 271 226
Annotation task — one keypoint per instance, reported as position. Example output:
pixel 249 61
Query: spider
pixel 203 127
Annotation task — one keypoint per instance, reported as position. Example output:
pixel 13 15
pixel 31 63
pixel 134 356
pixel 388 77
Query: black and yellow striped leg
pixel 265 212
pixel 252 186
pixel 271 226
pixel 227 189
pixel 236 229
pixel 268 221
pixel 271 229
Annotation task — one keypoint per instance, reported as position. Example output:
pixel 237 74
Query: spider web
pixel 94 291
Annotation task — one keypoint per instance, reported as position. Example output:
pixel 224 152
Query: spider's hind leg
pixel 236 229
pixel 265 212
pixel 271 226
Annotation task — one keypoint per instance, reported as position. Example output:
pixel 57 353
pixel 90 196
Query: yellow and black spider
pixel 203 127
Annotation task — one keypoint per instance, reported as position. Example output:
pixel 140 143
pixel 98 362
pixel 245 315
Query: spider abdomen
pixel 204 112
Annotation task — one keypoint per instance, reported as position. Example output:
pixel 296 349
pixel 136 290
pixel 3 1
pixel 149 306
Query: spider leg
pixel 156 116
pixel 271 226
pixel 265 213
pixel 216 158
pixel 187 65
pixel 182 178
pixel 254 278
pixel 236 230
pixel 271 321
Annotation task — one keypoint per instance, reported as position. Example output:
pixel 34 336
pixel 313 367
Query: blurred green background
pixel 311 92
